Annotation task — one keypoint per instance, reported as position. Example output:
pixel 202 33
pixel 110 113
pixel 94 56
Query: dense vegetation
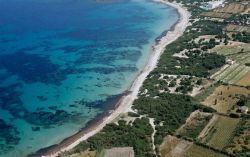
pixel 239 19
pixel 168 110
pixel 242 37
pixel 241 139
pixel 198 63
pixel 136 135
pixel 193 131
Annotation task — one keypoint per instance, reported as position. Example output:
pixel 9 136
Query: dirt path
pixel 151 121
pixel 181 147
pixel 189 119
pixel 206 130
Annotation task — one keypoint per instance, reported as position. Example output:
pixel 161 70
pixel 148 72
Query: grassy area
pixel 224 98
pixel 100 153
pixel 198 151
pixel 205 93
pixel 221 132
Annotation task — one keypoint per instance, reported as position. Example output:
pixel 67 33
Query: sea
pixel 64 62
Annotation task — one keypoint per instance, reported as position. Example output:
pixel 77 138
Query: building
pixel 230 61
pixel 120 152
pixel 243 109
pixel 212 4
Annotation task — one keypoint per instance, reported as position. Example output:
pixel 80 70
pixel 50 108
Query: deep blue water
pixel 61 61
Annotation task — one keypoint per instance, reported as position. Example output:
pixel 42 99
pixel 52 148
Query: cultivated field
pixel 232 49
pixel 120 151
pixel 241 141
pixel 221 132
pixel 224 98
pixel 194 125
pixel 232 8
pixel 232 73
pixel 237 28
pixel 198 151
pixel 216 14
pixel 83 154
pixel 227 10
pixel 244 81
pixel 174 147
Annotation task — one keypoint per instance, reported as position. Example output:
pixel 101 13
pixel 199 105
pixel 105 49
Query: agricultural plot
pixel 221 132
pixel 230 50
pixel 247 11
pixel 233 8
pixel 244 81
pixel 237 28
pixel 194 125
pixel 82 154
pixel 198 151
pixel 223 99
pixel 235 71
pixel 227 11
pixel 120 151
pixel 216 15
pixel 174 147
pixel 241 141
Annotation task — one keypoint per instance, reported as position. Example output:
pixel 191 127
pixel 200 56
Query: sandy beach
pixel 125 103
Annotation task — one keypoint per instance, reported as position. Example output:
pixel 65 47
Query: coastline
pixel 125 103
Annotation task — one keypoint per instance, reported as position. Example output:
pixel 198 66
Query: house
pixel 212 4
pixel 230 61
pixel 243 109
pixel 120 152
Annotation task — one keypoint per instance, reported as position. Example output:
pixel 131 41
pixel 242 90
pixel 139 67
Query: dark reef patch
pixel 48 119
pixel 109 104
pixel 10 100
pixel 5 148
pixel 71 48
pixel 104 105
pixel 110 56
pixel 31 68
pixel 8 137
pixel 6 40
pixel 41 98
pixel 36 128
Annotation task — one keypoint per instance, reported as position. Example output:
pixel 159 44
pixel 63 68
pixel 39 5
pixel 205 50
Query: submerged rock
pixel 8 134
pixel 42 98
pixel 35 128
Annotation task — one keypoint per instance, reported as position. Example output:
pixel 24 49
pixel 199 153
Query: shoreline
pixel 125 103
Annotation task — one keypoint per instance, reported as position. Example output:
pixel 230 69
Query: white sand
pixel 127 101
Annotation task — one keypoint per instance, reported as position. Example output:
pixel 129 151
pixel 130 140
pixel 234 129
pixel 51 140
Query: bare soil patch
pixel 224 98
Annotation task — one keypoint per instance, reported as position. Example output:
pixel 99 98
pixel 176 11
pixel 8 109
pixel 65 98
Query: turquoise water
pixel 63 61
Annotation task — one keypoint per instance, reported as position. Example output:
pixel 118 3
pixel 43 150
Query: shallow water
pixel 62 60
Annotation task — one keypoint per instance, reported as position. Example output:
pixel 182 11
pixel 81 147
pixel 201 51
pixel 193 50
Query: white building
pixel 243 109
pixel 230 61
pixel 212 4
